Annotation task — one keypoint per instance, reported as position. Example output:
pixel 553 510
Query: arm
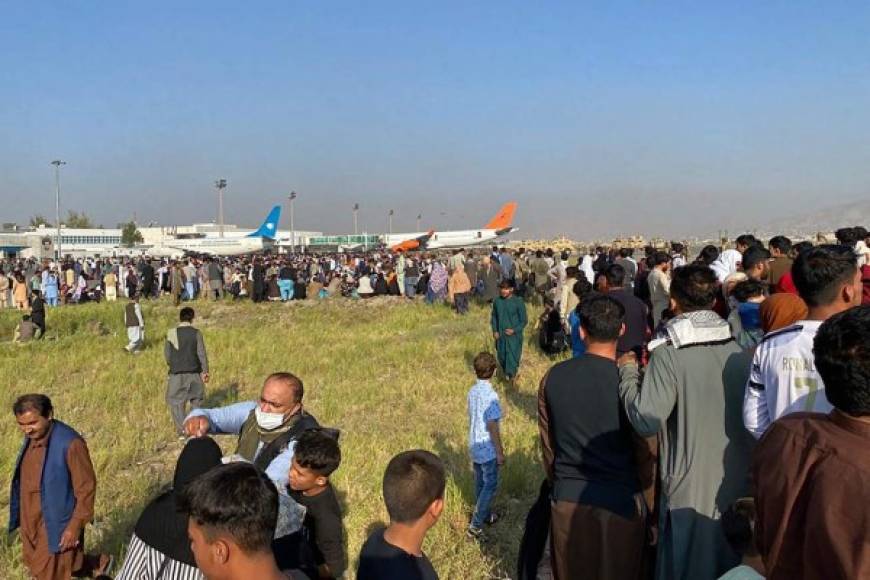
pixel 544 429
pixel 167 351
pixel 493 319
pixel 84 484
pixel 229 419
pixel 200 352
pixel 329 538
pixel 495 435
pixel 523 318
pixel 649 407
pixel 279 470
pixel 756 416
pixel 139 316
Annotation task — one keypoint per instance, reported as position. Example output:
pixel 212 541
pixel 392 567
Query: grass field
pixel 391 375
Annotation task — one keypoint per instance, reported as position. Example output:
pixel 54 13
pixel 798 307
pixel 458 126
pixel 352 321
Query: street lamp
pixel 221 184
pixel 291 197
pixel 57 163
pixel 355 215
pixel 419 217
pixel 390 222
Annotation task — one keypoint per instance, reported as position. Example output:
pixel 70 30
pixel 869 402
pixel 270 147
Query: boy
pixel 316 456
pixel 738 525
pixel 484 441
pixel 135 325
pixel 414 495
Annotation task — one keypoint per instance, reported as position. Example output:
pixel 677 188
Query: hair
pixel 820 272
pixel 33 402
pixel 625 252
pixel 781 244
pixel 571 271
pixel 660 258
pixel 747 289
pixel 582 288
pixel 615 275
pixel 292 381
pixel 186 314
pixel 539 254
pixel 507 283
pixel 601 318
pixel 842 357
pixel 800 247
pixel 484 365
pixel 747 240
pixel 412 481
pixel 36 292
pixel 234 500
pixel 677 247
pixel 694 287
pixel 738 525
pixel 708 255
pixel 318 451
pixel 753 256
pixel 25 317
pixel 847 236
pixel 861 233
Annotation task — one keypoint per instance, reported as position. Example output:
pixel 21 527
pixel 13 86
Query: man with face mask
pixel 267 428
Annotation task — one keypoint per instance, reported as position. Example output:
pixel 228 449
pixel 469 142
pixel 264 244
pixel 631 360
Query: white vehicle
pixel 255 242
pixel 498 226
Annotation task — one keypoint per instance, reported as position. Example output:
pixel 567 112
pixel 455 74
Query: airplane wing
pixel 418 243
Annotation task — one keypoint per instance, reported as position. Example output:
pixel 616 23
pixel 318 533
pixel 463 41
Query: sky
pixel 599 118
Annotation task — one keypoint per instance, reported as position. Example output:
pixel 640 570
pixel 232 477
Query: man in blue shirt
pixel 484 441
pixel 267 428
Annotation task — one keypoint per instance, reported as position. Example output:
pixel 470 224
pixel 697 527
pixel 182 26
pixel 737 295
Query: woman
pixel 781 310
pixel 437 290
pixel 19 291
pixel 159 548
pixel 459 288
pixel 51 289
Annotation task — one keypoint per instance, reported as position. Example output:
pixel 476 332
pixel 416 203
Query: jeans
pixel 461 302
pixel 485 485
pixel 410 286
pixel 286 287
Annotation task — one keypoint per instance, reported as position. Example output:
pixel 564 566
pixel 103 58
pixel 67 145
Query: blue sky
pixel 599 118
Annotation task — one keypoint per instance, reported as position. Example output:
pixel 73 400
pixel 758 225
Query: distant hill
pixel 827 219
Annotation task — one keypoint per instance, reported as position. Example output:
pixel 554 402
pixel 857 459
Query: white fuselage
pixel 451 239
pixel 211 246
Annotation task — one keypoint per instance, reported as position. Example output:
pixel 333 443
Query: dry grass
pixel 391 375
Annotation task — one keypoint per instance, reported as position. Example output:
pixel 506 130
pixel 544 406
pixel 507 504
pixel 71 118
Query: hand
pixel 70 537
pixel 204 377
pixel 653 535
pixel 509 331
pixel 196 426
pixel 628 358
pixel 495 335
pixel 499 458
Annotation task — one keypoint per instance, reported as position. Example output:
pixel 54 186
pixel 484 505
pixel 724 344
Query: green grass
pixel 391 375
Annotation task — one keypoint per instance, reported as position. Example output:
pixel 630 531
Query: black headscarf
pixel 161 526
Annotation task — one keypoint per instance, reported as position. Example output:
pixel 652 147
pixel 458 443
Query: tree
pixel 38 220
pixel 75 219
pixel 130 235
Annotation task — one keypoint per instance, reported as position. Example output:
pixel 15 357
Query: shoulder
pixel 782 334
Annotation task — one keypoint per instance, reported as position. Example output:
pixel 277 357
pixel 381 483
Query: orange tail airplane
pixel 500 225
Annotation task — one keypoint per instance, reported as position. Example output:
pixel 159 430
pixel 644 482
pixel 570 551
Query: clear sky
pixel 599 118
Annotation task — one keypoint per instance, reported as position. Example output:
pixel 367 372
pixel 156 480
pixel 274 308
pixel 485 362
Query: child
pixel 484 441
pixel 315 458
pixel 413 490
pixel 738 525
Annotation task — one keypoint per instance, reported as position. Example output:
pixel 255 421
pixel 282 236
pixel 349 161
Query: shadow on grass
pixel 516 493
pixel 221 396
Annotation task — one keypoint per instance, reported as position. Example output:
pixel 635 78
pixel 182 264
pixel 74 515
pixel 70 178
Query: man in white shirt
pixel 659 283
pixel 784 379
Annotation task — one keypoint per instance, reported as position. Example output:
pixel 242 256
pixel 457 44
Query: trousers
pixel 181 389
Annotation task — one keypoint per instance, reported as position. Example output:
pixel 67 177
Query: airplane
pixel 261 239
pixel 500 225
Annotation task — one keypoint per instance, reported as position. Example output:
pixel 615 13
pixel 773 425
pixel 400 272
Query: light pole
pixel 419 217
pixel 390 222
pixel 355 215
pixel 291 197
pixel 57 163
pixel 221 184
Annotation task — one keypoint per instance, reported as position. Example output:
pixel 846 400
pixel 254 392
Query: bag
pixel 552 338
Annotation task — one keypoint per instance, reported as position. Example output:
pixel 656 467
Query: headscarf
pixel 161 526
pixel 726 263
pixel 438 279
pixel 781 310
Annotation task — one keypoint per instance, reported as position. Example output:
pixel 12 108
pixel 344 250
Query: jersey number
pixel 813 386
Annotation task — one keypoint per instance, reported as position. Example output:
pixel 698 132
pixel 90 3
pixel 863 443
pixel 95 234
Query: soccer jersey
pixel 784 379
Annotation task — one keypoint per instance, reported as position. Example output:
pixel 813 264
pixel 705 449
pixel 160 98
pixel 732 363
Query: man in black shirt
pixel 414 494
pixel 635 318
pixel 598 523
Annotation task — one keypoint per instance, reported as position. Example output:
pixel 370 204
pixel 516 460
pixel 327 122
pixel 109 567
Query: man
pixel 690 398
pixel 659 283
pixel 176 282
pixel 267 428
pixel 135 325
pixel 598 522
pixel 784 378
pixel 508 321
pixel 540 273
pixel 626 260
pixel 189 272
pixel 812 470
pixel 286 281
pixel 37 311
pixel 232 515
pixel 26 331
pixel 215 280
pixel 53 490
pixel 756 263
pixel 413 489
pixel 258 277
pixel 184 351
pixel 146 273
pixel 506 264
pixel 634 337
pixel 730 260
pixel 780 247
pixel 110 284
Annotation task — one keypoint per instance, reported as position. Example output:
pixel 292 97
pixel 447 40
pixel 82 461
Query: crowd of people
pixel 704 418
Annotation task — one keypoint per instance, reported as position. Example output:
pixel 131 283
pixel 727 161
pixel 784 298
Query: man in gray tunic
pixel 692 398
pixel 185 355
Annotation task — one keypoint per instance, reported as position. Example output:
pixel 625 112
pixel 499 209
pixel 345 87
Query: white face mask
pixel 268 421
